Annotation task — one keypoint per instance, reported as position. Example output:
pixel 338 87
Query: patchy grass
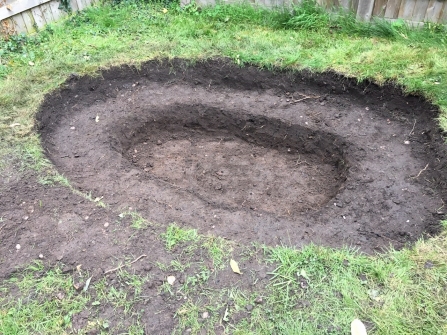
pixel 137 221
pixel 314 290
pixel 44 302
pixel 175 235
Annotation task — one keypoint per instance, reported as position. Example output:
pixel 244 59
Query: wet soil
pixel 238 152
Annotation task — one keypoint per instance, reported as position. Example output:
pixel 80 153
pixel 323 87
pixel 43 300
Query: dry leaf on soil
pixel 235 267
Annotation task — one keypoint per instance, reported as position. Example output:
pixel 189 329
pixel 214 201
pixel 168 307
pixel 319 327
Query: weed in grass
pixel 219 250
pixel 309 16
pixel 137 221
pixel 195 282
pixel 165 287
pixel 133 281
pixel 163 267
pixel 175 235
pixel 188 316
pixel 178 266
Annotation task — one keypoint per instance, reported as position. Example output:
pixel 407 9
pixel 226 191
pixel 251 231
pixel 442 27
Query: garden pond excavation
pixel 250 155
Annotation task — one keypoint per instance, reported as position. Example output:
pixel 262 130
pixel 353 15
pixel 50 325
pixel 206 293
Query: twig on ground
pixel 123 265
pixel 294 101
pixel 425 168
pixel 414 124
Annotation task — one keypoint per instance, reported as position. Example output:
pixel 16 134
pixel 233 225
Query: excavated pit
pixel 252 155
pixel 239 161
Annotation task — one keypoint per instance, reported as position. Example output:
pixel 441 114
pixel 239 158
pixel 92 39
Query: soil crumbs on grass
pixel 245 154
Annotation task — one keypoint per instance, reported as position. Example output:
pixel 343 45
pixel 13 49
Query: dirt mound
pixel 253 155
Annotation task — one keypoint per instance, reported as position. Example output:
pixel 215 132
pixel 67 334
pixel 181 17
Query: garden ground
pixel 171 168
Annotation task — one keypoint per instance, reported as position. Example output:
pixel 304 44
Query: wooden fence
pixel 413 11
pixel 28 15
pixel 409 10
pixel 18 16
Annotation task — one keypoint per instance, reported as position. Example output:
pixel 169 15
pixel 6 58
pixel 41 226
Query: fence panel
pixel 17 16
pixel 26 15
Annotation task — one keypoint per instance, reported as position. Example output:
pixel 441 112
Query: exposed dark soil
pixel 242 153
pixel 231 151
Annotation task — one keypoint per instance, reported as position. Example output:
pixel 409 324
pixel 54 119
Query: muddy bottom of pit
pixel 239 161
pixel 252 155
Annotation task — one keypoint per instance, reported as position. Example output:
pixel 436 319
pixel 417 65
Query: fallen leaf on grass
pixel 235 267
pixel 87 284
pixel 225 316
pixel 171 280
pixel 358 328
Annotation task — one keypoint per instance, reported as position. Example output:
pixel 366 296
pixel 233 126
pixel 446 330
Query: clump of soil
pixel 252 155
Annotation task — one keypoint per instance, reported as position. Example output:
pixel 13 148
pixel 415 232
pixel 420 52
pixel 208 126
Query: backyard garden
pixel 229 169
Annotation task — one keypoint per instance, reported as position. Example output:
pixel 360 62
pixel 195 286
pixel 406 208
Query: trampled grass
pixel 312 291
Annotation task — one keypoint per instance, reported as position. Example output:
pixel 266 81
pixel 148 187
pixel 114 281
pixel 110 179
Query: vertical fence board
pixel 28 18
pixel 392 9
pixel 330 3
pixel 406 9
pixel 80 4
pixel 420 8
pixel 379 7
pixel 39 19
pixel 354 5
pixel 46 12
pixel 19 23
pixel 365 10
pixel 57 13
pixel 434 11
pixel 345 4
pixel 74 5
pixel 443 16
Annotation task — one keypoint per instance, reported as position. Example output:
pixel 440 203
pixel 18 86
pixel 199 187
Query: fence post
pixel 364 10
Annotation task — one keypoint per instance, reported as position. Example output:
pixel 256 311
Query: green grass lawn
pixel 396 291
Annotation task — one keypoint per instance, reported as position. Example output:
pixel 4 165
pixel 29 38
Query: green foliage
pixel 20 48
pixel 175 235
pixel 65 5
pixel 308 15
pixel 44 305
